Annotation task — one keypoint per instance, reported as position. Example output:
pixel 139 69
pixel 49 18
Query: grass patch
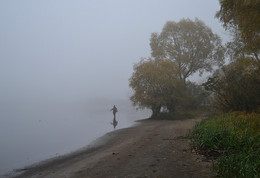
pixel 234 139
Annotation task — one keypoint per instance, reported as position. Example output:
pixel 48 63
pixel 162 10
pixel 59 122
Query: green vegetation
pixel 236 87
pixel 235 139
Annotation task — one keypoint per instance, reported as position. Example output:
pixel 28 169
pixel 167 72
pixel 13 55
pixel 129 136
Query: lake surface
pixel 34 131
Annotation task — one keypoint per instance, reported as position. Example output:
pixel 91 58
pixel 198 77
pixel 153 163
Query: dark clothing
pixel 114 109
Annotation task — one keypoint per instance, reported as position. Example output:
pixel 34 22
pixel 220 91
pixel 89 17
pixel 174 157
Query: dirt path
pixel 151 149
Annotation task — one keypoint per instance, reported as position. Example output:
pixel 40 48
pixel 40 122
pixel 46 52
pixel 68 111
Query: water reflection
pixel 114 123
pixel 31 132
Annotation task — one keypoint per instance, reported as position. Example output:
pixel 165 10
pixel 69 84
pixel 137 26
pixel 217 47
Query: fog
pixel 64 64
pixel 64 49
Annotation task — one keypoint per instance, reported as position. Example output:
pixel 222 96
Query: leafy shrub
pixel 236 137
pixel 236 87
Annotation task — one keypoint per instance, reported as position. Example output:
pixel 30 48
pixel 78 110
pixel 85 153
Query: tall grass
pixel 235 137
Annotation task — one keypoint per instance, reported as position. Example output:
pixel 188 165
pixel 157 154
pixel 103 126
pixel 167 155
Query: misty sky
pixel 76 49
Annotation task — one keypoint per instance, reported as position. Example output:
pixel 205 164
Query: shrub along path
pixel 150 149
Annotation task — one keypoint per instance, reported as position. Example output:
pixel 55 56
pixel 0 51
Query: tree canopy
pixel 190 45
pixel 243 18
pixel 236 86
pixel 153 82
pixel 180 50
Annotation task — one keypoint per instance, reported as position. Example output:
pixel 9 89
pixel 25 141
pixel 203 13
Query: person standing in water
pixel 114 109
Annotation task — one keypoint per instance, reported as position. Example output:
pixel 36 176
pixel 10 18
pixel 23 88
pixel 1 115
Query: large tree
pixel 190 45
pixel 154 83
pixel 242 18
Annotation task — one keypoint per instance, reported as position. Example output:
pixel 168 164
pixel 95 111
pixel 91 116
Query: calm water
pixel 33 131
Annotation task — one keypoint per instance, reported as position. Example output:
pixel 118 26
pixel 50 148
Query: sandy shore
pixel 150 149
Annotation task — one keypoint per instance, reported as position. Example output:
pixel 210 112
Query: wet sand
pixel 150 149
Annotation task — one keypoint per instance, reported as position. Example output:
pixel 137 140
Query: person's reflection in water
pixel 114 123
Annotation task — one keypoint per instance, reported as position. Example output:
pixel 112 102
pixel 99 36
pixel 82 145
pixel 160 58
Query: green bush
pixel 236 137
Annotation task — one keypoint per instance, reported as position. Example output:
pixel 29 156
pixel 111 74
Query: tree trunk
pixel 156 111
pixel 171 108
